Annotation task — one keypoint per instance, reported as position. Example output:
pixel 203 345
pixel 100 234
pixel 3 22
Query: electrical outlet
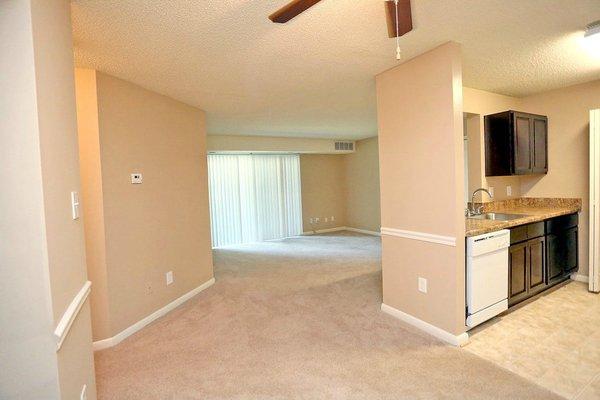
pixel 326 219
pixel 491 190
pixel 317 219
pixel 136 178
pixel 148 288
pixel 83 395
pixel 332 218
pixel 422 285
pixel 169 277
pixel 509 190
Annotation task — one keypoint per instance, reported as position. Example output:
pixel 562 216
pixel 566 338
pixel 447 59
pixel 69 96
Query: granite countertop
pixel 534 209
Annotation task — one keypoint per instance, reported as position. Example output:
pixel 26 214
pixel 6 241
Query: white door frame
pixel 594 223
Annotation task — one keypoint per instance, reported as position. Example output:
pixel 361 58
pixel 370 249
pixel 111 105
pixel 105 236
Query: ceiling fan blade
pixel 292 9
pixel 404 17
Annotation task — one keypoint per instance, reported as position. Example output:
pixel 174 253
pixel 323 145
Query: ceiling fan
pixel 398 16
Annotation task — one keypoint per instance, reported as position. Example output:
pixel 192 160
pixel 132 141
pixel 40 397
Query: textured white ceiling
pixel 314 76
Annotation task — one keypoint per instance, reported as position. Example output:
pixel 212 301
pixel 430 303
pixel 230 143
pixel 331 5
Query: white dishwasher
pixel 487 276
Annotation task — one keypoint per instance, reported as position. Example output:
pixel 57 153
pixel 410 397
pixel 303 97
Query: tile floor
pixel 553 341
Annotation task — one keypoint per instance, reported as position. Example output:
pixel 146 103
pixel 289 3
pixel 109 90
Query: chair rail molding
pixel 65 323
pixel 421 236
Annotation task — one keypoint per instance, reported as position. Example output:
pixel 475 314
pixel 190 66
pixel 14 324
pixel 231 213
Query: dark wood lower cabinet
pixel 562 254
pixel 527 269
pixel 541 255
pixel 537 265
pixel 517 273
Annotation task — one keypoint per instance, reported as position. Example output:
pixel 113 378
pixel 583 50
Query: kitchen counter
pixel 534 209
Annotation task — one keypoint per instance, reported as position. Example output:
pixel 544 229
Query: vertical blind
pixel 254 197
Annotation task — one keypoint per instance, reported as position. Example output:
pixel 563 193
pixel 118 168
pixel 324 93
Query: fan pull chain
pixel 398 52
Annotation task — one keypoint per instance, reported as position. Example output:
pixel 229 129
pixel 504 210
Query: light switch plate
pixel 169 277
pixel 509 190
pixel 422 285
pixel 136 178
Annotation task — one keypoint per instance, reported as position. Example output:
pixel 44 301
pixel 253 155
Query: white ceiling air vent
pixel 344 146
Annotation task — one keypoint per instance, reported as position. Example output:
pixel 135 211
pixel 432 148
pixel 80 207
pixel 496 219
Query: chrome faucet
pixel 473 210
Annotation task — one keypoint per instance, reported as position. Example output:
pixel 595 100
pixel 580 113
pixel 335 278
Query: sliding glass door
pixel 254 197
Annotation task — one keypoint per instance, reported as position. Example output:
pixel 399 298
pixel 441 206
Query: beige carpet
pixel 297 319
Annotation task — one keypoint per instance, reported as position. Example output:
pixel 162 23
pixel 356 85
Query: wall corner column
pixel 420 121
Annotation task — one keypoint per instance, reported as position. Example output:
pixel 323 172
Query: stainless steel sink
pixel 497 216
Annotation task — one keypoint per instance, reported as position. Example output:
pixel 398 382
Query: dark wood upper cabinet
pixel 516 143
pixel 522 144
pixel 540 145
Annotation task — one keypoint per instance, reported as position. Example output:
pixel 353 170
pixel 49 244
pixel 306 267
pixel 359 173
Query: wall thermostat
pixel 136 178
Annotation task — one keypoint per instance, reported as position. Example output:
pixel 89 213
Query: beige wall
pixel 27 345
pixel 473 158
pixel 57 120
pixel 568 146
pixel 362 186
pixel 420 117
pixel 43 253
pixel 568 150
pixel 92 198
pixel 159 226
pixel 237 143
pixel 345 186
pixel 323 190
pixel 479 103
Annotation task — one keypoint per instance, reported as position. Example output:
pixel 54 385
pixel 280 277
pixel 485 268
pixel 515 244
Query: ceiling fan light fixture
pixel 398 17
pixel 399 21
pixel 398 52
pixel 291 10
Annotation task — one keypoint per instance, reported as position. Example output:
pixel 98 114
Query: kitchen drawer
pixel 535 230
pixel 526 232
pixel 561 223
pixel 518 234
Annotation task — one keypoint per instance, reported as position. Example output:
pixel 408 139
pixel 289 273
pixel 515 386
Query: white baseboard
pixel 455 340
pixel 342 228
pixel 112 341
pixel 363 231
pixel 316 232
pixel 580 278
